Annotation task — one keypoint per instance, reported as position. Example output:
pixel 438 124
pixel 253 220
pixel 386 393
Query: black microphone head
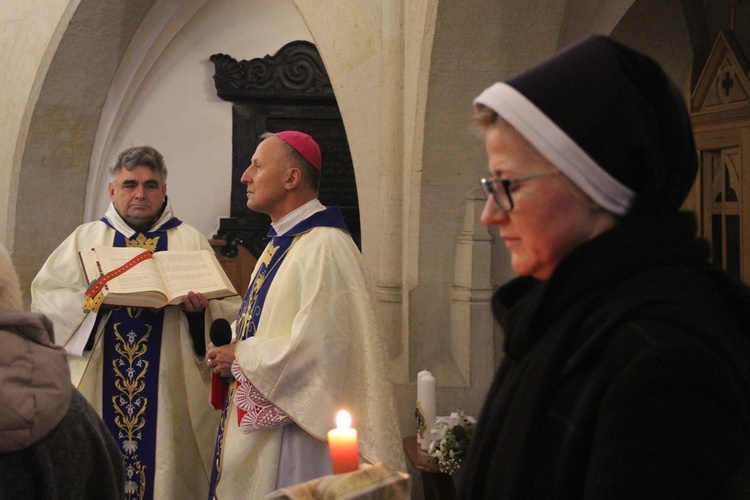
pixel 221 332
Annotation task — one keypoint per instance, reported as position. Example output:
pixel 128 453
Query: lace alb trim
pixel 254 412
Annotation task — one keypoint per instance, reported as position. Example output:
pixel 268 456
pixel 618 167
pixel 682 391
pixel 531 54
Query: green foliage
pixel 450 448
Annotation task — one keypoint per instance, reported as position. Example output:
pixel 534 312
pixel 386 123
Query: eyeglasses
pixel 502 196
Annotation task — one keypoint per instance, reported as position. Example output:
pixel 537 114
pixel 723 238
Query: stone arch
pixel 56 155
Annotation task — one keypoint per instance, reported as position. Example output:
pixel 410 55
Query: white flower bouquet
pixel 450 441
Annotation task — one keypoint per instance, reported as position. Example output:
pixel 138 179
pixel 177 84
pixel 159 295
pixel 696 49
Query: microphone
pixel 220 334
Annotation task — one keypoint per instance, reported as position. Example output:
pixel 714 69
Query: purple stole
pixel 130 376
pixel 250 311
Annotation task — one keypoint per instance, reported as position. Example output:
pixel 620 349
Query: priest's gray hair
pixel 140 156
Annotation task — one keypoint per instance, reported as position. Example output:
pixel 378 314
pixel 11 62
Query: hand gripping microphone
pixel 221 334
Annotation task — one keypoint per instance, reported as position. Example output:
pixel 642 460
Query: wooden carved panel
pixel 237 268
pixel 720 113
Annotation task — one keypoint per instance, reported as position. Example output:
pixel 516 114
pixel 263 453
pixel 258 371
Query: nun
pixel 627 360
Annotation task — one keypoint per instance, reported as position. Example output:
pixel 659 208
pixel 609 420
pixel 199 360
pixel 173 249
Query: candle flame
pixel 343 420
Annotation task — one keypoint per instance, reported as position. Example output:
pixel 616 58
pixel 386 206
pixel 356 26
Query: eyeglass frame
pixel 489 189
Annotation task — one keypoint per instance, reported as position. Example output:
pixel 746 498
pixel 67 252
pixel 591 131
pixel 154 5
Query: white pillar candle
pixel 426 395
pixel 419 399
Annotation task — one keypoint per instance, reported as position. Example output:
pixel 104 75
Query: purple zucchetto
pixel 610 119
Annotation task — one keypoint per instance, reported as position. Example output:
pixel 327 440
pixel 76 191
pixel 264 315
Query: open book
pixel 163 279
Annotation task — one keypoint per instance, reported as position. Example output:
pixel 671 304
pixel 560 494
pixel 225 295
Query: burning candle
pixel 342 444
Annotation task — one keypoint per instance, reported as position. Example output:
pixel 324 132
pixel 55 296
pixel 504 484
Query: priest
pixel 144 371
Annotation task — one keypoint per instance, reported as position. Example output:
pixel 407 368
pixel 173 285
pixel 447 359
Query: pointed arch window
pixel 722 181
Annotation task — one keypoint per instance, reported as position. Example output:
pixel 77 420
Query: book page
pixel 191 271
pixel 142 277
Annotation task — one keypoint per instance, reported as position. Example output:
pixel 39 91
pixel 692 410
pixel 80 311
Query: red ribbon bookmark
pixel 95 292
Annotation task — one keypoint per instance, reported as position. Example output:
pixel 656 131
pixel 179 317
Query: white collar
pixel 296 216
pixel 120 225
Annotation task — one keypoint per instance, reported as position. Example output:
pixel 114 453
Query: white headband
pixel 555 145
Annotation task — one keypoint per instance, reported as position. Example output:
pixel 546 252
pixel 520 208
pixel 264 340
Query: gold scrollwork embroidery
pixel 263 270
pixel 130 406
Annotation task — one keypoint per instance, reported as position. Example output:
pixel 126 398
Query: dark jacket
pixel 53 445
pixel 627 375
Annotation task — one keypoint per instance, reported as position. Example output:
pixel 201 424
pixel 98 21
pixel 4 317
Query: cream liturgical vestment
pixel 186 424
pixel 316 350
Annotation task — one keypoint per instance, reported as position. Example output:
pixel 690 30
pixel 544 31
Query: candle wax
pixel 426 392
pixel 342 443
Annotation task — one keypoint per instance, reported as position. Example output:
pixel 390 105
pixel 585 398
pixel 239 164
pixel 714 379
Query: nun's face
pixel 549 216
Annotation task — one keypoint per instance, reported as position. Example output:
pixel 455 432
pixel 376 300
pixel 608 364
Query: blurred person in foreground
pixel 627 361
pixel 145 371
pixel 307 345
pixel 52 442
